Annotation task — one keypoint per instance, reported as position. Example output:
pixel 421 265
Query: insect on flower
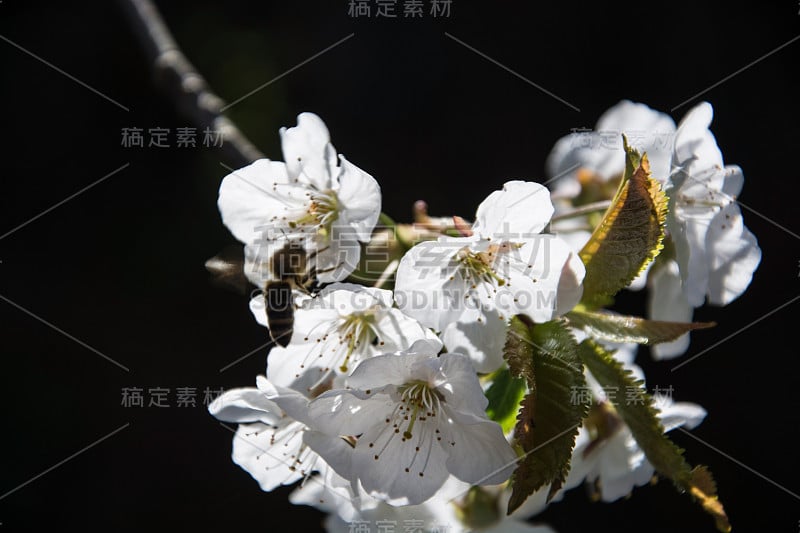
pixel 292 268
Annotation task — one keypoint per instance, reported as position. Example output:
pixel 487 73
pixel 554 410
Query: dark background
pixel 120 267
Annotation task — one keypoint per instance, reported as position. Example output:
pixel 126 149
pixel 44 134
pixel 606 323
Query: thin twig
pixel 180 80
pixel 582 210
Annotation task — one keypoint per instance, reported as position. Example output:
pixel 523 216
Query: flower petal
pixel 521 208
pixel 398 470
pixel 480 335
pixel 668 302
pixel 679 414
pixel 273 455
pixel 308 152
pixel 458 384
pixel 360 198
pixel 467 437
pixel 397 332
pixel 735 255
pixel 424 289
pixel 647 130
pixel 695 146
pixel 534 272
pixel 245 405
pixel 250 197
pixel 338 256
pixel 343 413
pixel 570 285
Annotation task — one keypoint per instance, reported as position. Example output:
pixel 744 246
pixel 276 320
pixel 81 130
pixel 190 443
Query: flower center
pixel 418 397
pixel 322 211
pixel 479 266
pixel 357 329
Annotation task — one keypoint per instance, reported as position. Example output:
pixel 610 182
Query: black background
pixel 120 266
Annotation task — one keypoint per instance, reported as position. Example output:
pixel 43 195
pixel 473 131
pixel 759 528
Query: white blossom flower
pixel 606 454
pixel 268 443
pixel 439 514
pixel 334 331
pixel 327 208
pixel 469 287
pixel 715 255
pixel 416 418
pixel 616 464
pixel 583 158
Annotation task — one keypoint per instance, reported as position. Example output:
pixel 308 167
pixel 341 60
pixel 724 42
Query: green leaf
pixel 622 328
pixel 641 417
pixel 630 234
pixel 518 350
pixel 546 356
pixel 504 395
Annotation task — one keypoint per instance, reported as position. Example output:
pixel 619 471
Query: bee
pixel 292 269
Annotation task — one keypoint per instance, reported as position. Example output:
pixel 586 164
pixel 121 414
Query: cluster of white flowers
pixel 376 403
pixel 710 254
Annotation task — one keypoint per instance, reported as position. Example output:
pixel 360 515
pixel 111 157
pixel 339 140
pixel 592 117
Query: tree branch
pixel 180 80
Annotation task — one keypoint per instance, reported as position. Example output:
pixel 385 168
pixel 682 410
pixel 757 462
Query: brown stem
pixel 180 80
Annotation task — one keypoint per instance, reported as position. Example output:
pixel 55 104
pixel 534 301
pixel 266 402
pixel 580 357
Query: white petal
pixel 612 489
pixel 258 307
pixel 600 152
pixel 647 130
pixel 735 255
pixel 584 151
pixel 337 453
pixel 339 412
pixel 245 405
pixel 273 455
pixel 696 149
pixel 621 466
pixel 327 491
pixel 733 181
pixel 297 366
pixel 394 369
pixel 307 150
pixel 339 255
pixel 533 273
pixel 468 437
pixel 696 276
pixel 458 384
pixel 570 285
pixel 521 208
pixel 423 288
pixel 567 231
pixel 398 470
pixel 294 404
pixel 348 298
pixel 668 302
pixel 250 197
pixel 369 296
pixel 480 340
pixel 397 332
pixel 679 414
pixel 360 198
pixel 640 281
pixel 314 316
pixel 696 160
